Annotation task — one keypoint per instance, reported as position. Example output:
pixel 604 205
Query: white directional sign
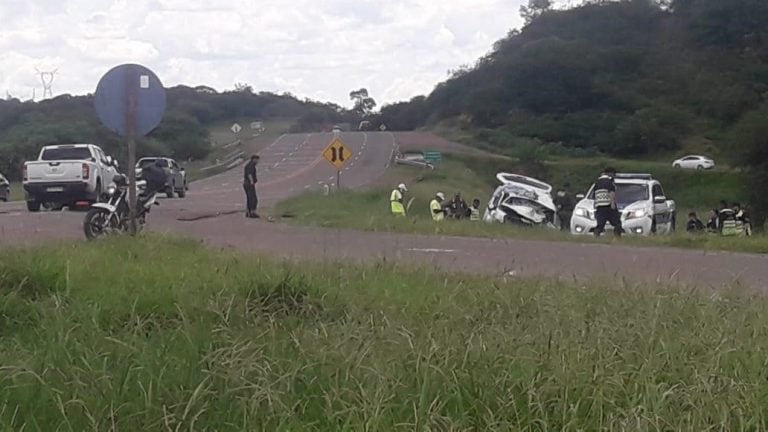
pixel 256 125
pixel 236 128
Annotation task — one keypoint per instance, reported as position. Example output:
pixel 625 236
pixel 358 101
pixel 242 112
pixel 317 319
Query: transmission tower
pixel 47 79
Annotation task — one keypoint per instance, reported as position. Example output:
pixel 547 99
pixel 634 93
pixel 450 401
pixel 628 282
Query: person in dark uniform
pixel 249 185
pixel 606 209
pixel 156 178
pixel 565 204
pixel 694 225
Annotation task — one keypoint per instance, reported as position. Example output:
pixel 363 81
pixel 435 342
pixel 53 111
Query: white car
pixel 521 200
pixel 694 162
pixel 67 175
pixel 641 201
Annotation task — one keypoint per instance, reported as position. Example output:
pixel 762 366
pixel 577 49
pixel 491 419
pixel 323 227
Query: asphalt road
pixel 213 212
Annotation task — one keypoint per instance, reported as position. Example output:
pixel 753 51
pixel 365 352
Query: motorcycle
pixel 113 216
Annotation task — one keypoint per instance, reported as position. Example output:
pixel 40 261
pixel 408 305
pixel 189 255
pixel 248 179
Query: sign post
pixel 337 154
pixel 130 100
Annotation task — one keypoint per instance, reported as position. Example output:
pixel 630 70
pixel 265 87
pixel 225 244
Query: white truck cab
pixel 641 201
pixel 66 175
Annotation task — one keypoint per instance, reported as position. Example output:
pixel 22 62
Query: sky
pixel 319 49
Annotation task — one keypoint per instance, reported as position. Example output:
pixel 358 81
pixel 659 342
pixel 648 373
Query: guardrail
pixel 230 161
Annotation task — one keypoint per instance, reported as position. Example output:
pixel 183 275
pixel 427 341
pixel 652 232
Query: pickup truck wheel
pixel 182 192
pixel 33 206
pixel 169 192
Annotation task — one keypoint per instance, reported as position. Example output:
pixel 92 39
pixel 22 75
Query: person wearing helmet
pixel 436 207
pixel 396 200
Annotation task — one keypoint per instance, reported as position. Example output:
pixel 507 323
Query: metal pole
pixel 338 180
pixel 132 84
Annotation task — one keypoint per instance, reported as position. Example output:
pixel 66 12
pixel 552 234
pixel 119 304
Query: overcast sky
pixel 319 49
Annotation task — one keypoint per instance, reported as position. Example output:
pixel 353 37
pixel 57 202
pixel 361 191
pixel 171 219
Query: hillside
pixel 183 134
pixel 631 79
pixel 626 78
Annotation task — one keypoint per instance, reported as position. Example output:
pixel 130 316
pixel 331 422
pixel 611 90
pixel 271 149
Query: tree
pixel 364 104
pixel 534 9
pixel 243 88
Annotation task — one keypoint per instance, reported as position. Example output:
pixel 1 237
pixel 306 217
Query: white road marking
pixel 432 250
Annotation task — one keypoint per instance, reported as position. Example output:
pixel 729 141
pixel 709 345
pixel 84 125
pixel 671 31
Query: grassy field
pixel 168 336
pixel 474 177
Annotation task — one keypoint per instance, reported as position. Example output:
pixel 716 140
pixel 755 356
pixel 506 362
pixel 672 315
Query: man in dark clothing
pixel 694 225
pixel 458 207
pixel 156 178
pixel 606 209
pixel 249 185
pixel 713 224
pixel 564 203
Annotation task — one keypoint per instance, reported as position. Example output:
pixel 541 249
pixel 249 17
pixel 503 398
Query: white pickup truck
pixel 67 175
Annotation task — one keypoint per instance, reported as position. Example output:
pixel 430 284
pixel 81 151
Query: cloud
pixel 312 48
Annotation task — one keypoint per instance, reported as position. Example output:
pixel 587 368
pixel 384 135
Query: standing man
pixel 249 185
pixel 565 204
pixel 605 203
pixel 458 207
pixel 436 207
pixel 396 200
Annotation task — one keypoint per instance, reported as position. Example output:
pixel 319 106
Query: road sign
pixel 236 128
pixel 256 125
pixel 130 100
pixel 433 156
pixel 337 153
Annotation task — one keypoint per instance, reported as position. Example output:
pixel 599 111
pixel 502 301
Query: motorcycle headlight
pixel 111 190
pixel 636 214
pixel 582 212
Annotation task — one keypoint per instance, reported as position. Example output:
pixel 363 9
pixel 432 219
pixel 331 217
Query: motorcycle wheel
pixel 97 223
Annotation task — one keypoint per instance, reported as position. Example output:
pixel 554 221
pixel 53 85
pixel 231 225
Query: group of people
pixel 439 209
pixel 726 220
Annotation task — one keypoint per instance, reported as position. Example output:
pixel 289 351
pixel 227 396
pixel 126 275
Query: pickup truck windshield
pixel 147 162
pixel 627 193
pixel 66 153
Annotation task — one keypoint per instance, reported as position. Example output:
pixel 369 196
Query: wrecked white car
pixel 521 200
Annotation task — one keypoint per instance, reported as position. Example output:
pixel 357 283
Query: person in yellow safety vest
pixel 474 211
pixel 436 207
pixel 396 200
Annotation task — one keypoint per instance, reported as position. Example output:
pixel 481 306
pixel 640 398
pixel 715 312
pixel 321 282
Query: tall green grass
pixel 160 334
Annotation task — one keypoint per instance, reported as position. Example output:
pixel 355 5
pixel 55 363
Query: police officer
pixel 396 200
pixel 249 185
pixel 605 203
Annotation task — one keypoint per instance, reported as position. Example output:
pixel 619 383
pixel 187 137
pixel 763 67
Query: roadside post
pixel 337 154
pixel 130 101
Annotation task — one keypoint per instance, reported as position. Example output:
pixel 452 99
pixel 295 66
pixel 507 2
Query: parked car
pixel 694 162
pixel 641 201
pixel 177 177
pixel 521 200
pixel 65 175
pixel 5 188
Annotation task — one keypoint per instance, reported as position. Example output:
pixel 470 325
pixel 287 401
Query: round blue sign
pixel 130 100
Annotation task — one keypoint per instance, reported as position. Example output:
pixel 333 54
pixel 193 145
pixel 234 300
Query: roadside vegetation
pixel 237 342
pixel 474 177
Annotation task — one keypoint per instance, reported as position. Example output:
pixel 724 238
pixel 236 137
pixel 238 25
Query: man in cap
pixel 436 207
pixel 396 200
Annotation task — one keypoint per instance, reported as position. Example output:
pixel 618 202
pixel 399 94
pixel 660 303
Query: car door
pixel 177 180
pixel 661 210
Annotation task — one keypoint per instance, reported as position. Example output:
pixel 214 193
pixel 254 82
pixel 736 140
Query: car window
pixel 497 199
pixel 657 190
pixel 175 165
pixel 66 153
pixel 630 193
